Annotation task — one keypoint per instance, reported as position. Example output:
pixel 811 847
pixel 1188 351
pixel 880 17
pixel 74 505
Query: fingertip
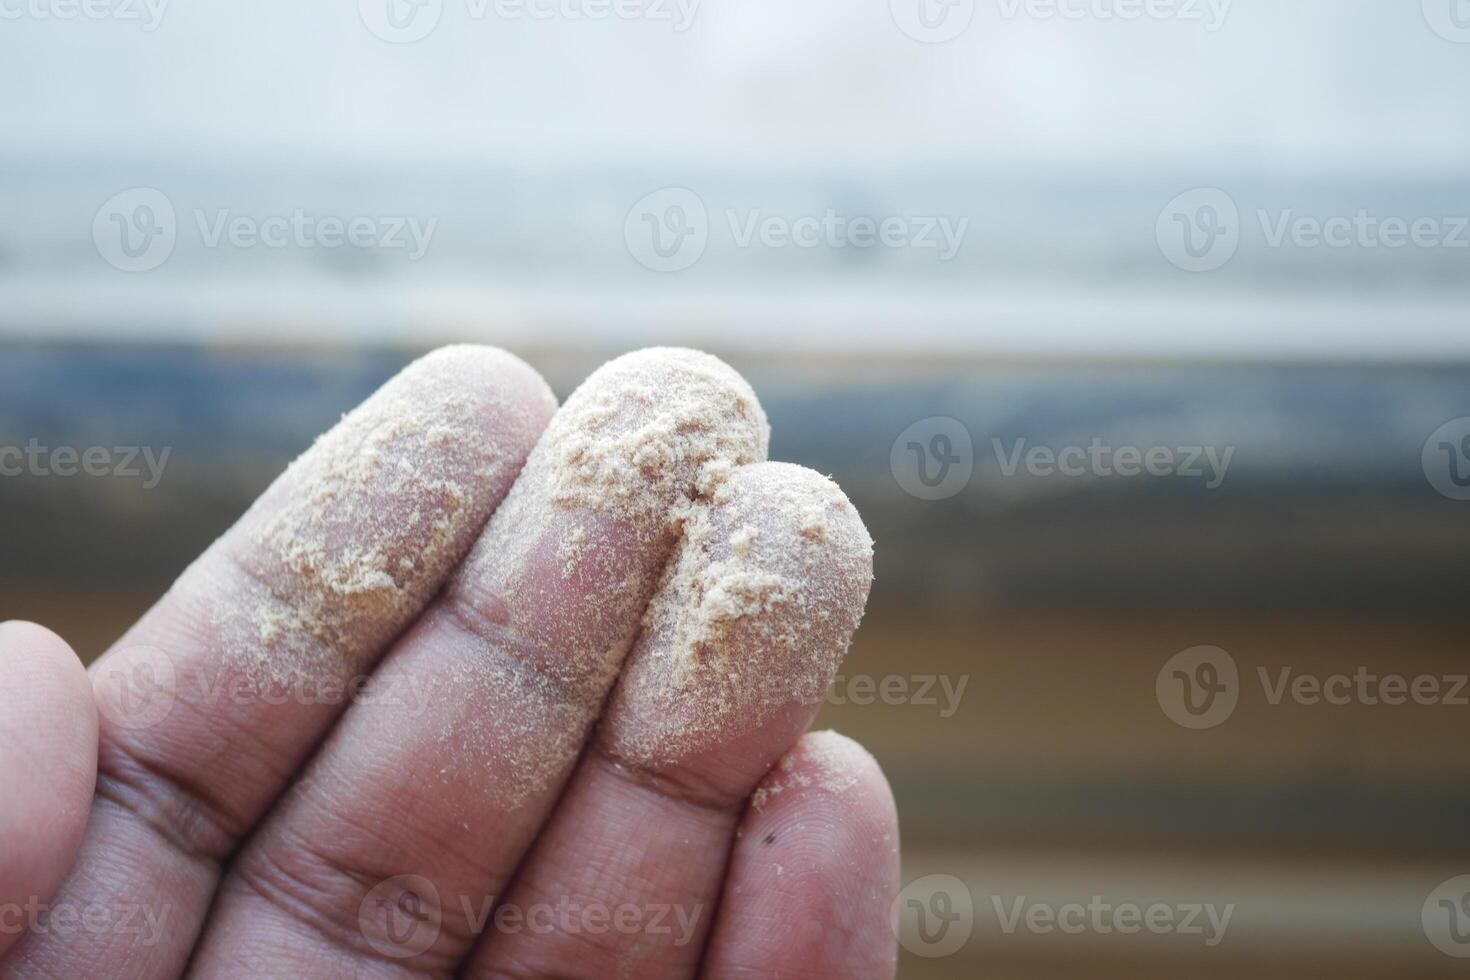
pixel 808 516
pixel 748 629
pixel 517 391
pixel 48 761
pixel 829 764
pixel 818 852
pixel 695 391
pixel 31 653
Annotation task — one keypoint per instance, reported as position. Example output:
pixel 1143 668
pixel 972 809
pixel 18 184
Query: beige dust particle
pixel 350 542
pixel 752 615
pixel 741 541
pixel 826 758
pixel 572 557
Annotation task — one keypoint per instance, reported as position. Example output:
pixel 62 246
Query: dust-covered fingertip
pixel 750 623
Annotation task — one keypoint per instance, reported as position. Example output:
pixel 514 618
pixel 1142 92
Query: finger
pixel 212 702
pixel 420 806
pixel 737 651
pixel 48 767
pixel 814 873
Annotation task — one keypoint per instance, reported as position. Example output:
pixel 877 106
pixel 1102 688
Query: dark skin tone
pixel 341 836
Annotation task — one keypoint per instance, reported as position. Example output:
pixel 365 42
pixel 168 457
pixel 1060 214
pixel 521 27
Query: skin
pixel 490 822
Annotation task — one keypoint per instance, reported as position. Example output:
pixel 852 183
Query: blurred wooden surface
pixel 1056 775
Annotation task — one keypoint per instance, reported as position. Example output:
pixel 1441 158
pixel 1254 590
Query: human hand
pixel 440 703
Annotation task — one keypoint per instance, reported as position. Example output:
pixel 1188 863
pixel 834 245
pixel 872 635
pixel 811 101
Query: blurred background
pixel 1138 330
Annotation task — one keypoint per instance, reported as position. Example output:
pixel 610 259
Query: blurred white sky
pixel 529 144
pixel 1337 85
